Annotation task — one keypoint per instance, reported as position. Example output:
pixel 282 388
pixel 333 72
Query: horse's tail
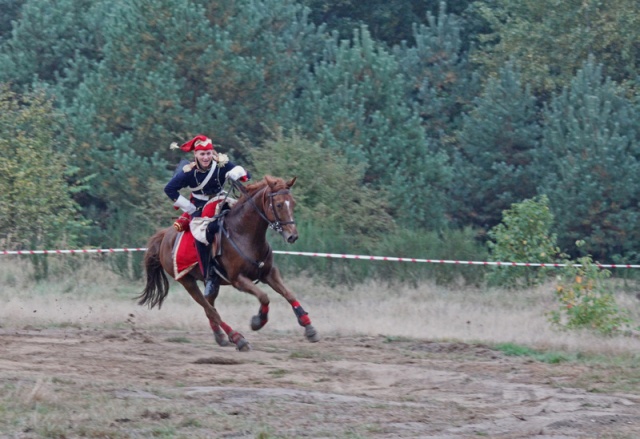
pixel 157 287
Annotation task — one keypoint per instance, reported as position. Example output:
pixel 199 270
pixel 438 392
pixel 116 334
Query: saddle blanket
pixel 185 255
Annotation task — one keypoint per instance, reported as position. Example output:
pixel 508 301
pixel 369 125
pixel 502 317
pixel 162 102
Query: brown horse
pixel 244 258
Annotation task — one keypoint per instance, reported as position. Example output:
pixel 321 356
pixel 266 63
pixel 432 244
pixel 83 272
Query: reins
pixel 277 223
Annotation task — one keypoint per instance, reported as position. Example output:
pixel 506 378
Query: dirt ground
pixel 141 383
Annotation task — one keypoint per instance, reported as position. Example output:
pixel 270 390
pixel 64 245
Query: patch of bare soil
pixel 180 384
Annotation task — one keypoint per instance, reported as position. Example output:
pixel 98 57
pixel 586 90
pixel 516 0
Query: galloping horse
pixel 245 257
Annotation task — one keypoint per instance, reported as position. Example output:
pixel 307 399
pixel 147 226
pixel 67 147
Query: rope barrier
pixel 331 255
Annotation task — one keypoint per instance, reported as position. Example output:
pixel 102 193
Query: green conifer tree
pixel 52 44
pixel 493 165
pixel 441 83
pixel 354 104
pixel 590 162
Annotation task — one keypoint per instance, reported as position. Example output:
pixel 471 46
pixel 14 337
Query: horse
pixel 243 258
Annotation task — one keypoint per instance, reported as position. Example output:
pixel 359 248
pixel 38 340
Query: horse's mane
pixel 275 183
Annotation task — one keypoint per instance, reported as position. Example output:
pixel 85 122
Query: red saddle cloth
pixel 185 255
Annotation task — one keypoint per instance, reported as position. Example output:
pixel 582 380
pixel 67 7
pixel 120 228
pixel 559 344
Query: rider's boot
pixel 212 284
pixel 212 280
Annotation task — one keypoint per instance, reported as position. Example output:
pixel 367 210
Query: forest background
pixel 412 125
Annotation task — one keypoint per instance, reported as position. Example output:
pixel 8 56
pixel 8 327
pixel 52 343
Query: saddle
pixel 185 254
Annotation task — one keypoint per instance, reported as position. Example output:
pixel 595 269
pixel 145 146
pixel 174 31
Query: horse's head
pixel 279 205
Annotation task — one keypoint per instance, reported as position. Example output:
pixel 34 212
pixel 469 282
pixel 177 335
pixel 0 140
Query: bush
pixel 585 300
pixel 523 236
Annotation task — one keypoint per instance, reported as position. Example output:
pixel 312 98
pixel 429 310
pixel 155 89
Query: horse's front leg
pixel 245 284
pixel 274 280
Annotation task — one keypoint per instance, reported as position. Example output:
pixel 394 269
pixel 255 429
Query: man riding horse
pixel 204 178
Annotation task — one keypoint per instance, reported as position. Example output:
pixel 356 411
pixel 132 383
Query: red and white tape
pixel 330 255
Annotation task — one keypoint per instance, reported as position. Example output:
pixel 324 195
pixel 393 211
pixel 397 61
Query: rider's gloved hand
pixel 238 173
pixel 185 205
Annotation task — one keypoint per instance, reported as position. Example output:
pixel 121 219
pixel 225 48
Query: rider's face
pixel 204 158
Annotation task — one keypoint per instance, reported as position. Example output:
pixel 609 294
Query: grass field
pixel 79 358
pixel 91 295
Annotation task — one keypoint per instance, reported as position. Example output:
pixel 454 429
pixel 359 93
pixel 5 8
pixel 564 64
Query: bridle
pixel 277 223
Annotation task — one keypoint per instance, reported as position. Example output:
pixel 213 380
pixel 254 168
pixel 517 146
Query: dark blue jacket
pixel 190 176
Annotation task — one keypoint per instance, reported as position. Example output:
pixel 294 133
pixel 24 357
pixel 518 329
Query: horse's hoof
pixel 221 338
pixel 243 345
pixel 311 334
pixel 257 323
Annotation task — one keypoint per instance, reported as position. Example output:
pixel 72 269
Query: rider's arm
pixel 172 189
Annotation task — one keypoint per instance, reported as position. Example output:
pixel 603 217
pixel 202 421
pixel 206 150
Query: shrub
pixel 523 236
pixel 585 300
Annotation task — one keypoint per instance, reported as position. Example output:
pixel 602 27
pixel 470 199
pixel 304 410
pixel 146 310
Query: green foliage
pixel 317 238
pixel 52 45
pixel 451 245
pixel 590 157
pixel 550 40
pixel 10 12
pixel 493 162
pixel 390 22
pixel 440 81
pixel 329 190
pixel 523 236
pixel 354 104
pixel 394 94
pixel 523 351
pixel 586 301
pixel 37 209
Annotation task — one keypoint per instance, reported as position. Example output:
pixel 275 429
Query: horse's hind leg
pixel 223 331
pixel 218 332
pixel 215 321
pixel 274 280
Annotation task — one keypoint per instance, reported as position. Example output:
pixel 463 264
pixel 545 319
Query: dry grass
pixel 92 296
pixel 132 400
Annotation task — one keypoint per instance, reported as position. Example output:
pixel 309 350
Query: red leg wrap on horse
pixel 303 317
pixel 225 327
pixel 235 337
pixel 214 327
pixel 264 309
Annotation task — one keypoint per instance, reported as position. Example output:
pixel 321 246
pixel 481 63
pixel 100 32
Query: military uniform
pixel 205 186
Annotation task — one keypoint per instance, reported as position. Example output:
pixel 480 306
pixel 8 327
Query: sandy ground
pixel 134 382
pixel 79 359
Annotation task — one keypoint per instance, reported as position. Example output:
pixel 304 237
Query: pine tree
pixel 354 104
pixel 440 79
pixel 493 165
pixel 589 164
pixel 52 45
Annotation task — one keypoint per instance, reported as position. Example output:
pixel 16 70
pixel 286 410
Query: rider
pixel 204 178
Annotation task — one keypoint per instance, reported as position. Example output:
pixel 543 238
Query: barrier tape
pixel 332 255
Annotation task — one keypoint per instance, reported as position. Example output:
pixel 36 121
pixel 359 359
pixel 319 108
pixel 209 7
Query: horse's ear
pixel 292 181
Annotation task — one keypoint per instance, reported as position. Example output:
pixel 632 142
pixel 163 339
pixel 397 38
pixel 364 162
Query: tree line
pixel 401 119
